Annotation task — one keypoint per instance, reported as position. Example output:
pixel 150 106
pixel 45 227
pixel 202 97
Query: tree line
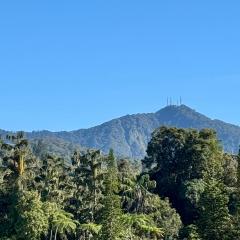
pixel 186 188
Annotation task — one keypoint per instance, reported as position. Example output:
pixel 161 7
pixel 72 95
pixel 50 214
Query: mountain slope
pixel 129 135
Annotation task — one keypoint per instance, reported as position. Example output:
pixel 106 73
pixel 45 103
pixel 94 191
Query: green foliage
pixel 190 232
pixel 177 156
pixel 186 176
pixel 87 179
pixel 31 221
pixel 91 227
pixel 63 223
pixel 111 212
pixel 142 226
pixel 138 198
pixel 200 180
pixel 165 217
pixel 215 221
pixel 53 180
pixel 184 154
pixel 60 222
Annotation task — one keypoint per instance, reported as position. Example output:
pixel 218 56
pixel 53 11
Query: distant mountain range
pixel 129 135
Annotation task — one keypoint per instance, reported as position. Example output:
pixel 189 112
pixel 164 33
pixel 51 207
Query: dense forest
pixel 186 187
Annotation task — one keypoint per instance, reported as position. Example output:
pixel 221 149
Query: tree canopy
pixel 186 188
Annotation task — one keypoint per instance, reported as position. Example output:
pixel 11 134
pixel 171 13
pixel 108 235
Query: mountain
pixel 129 135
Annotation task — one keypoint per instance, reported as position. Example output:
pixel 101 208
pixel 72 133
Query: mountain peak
pixel 129 135
pixel 181 107
pixel 182 114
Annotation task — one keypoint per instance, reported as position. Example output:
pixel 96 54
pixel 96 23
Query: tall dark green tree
pixel 31 220
pixel 176 156
pixel 215 222
pixel 111 212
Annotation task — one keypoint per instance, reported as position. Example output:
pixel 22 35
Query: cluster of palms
pixel 94 197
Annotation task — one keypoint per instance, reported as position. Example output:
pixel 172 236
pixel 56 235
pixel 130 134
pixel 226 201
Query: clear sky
pixel 67 65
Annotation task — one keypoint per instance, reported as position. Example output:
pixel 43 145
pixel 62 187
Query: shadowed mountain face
pixel 129 135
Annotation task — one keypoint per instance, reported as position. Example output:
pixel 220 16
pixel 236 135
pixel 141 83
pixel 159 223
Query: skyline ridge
pixel 129 135
pixel 183 106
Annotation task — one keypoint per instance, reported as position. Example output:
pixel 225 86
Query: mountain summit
pixel 129 135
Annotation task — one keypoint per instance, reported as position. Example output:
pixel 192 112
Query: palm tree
pixel 18 161
pixel 141 224
pixel 63 223
pixel 54 180
pixel 89 230
pixel 88 181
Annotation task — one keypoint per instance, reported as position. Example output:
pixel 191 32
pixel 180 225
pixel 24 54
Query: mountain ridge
pixel 129 134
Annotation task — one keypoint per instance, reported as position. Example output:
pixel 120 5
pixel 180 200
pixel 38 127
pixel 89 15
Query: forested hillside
pixel 187 188
pixel 129 135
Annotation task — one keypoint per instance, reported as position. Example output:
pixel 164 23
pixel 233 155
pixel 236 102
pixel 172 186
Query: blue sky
pixel 66 65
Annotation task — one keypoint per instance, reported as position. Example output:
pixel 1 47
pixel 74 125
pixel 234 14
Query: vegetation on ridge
pixel 129 135
pixel 188 188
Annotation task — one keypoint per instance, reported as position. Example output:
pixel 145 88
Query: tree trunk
pixel 55 236
pixel 51 234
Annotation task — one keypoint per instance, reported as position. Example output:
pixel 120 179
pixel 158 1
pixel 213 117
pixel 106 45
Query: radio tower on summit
pixel 179 102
